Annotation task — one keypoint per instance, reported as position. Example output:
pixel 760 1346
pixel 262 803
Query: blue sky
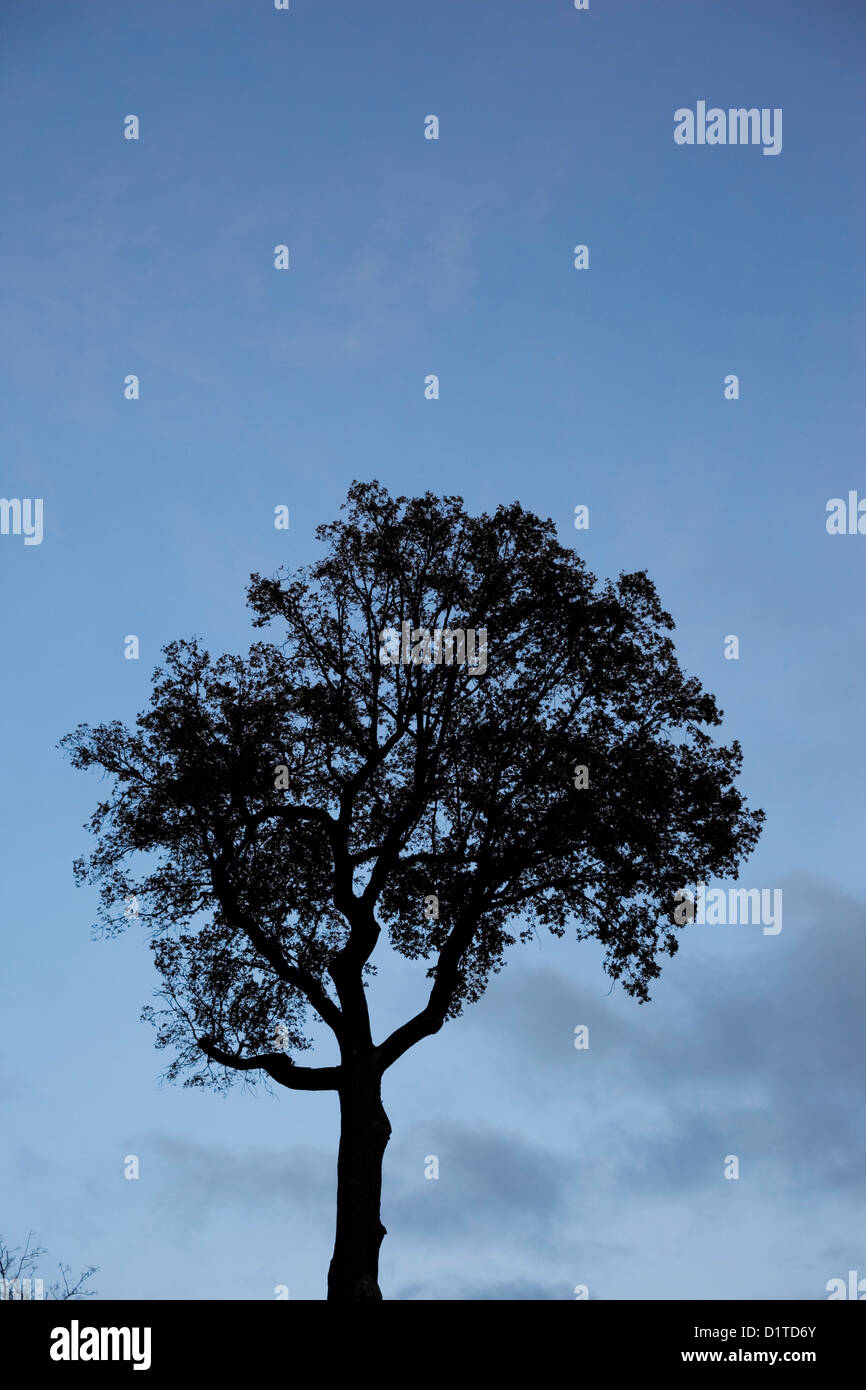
pixel 557 387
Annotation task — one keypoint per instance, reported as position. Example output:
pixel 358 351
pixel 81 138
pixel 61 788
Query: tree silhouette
pixel 295 804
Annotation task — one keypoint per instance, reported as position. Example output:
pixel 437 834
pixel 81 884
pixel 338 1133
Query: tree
pixel 18 1266
pixel 295 804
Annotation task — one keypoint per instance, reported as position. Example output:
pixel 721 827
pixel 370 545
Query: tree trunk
pixel 353 1275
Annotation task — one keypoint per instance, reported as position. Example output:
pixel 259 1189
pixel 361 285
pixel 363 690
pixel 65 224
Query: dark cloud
pixel 608 1169
pixel 489 1179
pixel 755 1046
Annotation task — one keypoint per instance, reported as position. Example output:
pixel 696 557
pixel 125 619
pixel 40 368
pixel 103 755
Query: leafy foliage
pixel 406 780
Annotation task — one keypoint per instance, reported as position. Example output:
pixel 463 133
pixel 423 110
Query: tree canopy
pixel 271 815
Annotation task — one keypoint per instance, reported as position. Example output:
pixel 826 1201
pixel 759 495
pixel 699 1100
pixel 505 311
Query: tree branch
pixel 281 1068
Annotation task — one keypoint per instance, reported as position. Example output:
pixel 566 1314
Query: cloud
pixel 609 1170
pixel 489 1179
pixel 754 1046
